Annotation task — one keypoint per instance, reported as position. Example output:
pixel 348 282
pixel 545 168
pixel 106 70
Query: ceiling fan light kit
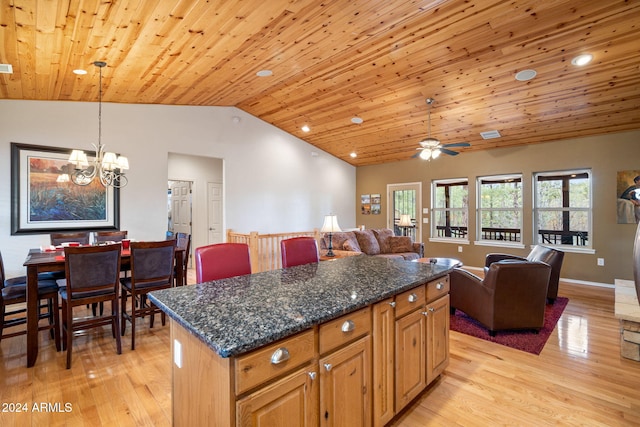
pixel 431 148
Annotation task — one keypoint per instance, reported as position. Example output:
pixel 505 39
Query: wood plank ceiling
pixel 334 60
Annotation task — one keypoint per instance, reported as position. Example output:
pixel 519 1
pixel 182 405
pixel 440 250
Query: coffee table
pixel 445 262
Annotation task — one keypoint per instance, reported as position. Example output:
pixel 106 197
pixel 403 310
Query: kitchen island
pixel 259 349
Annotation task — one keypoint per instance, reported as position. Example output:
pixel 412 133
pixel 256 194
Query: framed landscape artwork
pixel 42 201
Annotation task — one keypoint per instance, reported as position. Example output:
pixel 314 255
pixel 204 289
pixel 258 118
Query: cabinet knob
pixel 312 375
pixel 392 303
pixel 279 356
pixel 413 298
pixel 348 326
pixel 439 286
pixel 328 366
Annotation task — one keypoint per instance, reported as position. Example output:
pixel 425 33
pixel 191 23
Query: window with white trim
pixel 500 208
pixel 562 208
pixel 450 209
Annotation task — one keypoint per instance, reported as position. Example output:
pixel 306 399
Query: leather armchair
pixel 539 253
pixel 511 296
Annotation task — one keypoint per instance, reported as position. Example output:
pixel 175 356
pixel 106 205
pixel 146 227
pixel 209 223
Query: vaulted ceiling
pixel 331 61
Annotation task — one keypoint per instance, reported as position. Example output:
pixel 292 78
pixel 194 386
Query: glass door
pixel 403 210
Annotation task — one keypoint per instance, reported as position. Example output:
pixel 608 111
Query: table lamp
pixel 405 222
pixel 329 227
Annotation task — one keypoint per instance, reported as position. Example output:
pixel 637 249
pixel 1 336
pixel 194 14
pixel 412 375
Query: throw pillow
pixel 400 244
pixel 351 245
pixel 382 235
pixel 367 242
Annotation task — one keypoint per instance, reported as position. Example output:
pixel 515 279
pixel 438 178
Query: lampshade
pixel 330 224
pixel 405 221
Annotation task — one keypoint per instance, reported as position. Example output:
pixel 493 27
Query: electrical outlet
pixel 425 220
pixel 177 353
pixel 459 248
pixel 601 262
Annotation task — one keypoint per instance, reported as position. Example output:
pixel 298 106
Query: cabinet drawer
pixel 408 301
pixel 437 288
pixel 345 329
pixel 274 360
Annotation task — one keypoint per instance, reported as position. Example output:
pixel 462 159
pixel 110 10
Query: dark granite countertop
pixel 237 315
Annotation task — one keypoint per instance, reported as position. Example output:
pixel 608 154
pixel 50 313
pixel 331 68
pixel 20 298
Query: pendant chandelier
pixel 107 166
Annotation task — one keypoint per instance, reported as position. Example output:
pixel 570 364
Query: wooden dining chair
pixel 298 251
pixel 13 298
pixel 222 260
pixel 183 242
pixel 152 267
pixel 92 276
pixel 110 236
pixel 81 237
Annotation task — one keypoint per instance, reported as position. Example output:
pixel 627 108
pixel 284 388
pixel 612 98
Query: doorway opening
pixel 405 199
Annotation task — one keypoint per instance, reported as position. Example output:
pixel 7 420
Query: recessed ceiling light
pixel 264 73
pixel 525 75
pixel 80 72
pixel 581 60
pixel 353 155
pixel 6 69
pixel 356 120
pixel 305 128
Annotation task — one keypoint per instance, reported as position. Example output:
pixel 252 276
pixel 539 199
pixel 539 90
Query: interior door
pixel 180 207
pixel 405 199
pixel 214 213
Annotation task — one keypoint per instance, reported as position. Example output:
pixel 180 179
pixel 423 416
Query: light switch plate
pixel 425 210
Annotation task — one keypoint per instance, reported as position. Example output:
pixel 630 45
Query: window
pixel 562 212
pixel 449 209
pixel 500 208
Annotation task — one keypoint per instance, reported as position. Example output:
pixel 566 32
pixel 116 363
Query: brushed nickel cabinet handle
pixel 392 303
pixel 413 298
pixel 279 356
pixel 348 326
pixel 440 286
pixel 312 375
pixel 328 366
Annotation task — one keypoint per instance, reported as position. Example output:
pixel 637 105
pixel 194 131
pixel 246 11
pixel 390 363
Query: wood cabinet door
pixel 289 402
pixel 345 386
pixel 383 361
pixel 411 363
pixel 437 337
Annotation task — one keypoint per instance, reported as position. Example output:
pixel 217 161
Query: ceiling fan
pixel 431 148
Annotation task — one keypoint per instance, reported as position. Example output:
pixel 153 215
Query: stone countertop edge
pixel 234 316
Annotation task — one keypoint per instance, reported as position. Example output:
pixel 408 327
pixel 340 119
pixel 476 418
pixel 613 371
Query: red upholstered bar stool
pixel 222 260
pixel 298 251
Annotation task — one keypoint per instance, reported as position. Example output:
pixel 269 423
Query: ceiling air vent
pixel 6 69
pixel 490 134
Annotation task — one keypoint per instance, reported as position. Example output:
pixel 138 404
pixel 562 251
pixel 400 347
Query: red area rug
pixel 527 341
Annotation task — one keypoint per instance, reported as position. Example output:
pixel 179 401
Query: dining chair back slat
pixel 110 236
pixel 81 237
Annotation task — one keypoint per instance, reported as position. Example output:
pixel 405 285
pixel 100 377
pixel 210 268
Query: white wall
pixel 271 181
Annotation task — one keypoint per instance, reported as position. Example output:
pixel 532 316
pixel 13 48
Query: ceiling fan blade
pixel 449 152
pixel 417 153
pixel 457 144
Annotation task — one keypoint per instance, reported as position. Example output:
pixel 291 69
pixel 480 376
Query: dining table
pixel 52 260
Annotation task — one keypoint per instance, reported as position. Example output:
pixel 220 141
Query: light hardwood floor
pixel 578 379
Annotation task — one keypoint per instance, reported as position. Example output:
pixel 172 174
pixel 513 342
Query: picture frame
pixel 40 203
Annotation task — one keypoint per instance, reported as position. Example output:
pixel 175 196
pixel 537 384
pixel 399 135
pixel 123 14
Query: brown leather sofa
pixel 511 296
pixel 550 256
